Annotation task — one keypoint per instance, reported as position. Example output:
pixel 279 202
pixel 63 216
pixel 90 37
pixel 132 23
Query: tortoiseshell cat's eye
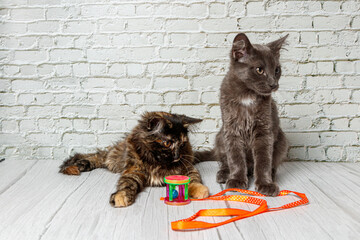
pixel 167 143
pixel 164 143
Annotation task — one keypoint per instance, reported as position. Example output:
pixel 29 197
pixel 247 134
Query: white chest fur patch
pixel 247 101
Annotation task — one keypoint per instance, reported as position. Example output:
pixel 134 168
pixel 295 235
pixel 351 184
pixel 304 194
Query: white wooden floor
pixel 36 202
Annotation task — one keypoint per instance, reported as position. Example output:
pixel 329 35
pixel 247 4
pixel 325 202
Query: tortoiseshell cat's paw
pixel 70 170
pixel 234 183
pixel 121 199
pixel 74 165
pixel 197 190
pixel 222 176
pixel 269 189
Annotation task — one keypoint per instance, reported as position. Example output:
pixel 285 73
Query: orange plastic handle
pixel 189 223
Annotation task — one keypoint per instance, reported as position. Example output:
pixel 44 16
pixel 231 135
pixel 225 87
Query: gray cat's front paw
pixel 233 183
pixel 269 189
pixel 222 176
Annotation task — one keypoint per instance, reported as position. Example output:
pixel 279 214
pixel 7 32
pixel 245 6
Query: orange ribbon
pixel 189 223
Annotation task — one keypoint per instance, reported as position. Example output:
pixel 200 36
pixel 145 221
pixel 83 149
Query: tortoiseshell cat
pixel 250 141
pixel 157 147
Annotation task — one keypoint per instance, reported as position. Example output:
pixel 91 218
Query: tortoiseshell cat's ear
pixel 155 121
pixel 241 48
pixel 275 46
pixel 187 121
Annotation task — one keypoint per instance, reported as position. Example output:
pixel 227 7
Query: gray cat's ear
pixel 275 46
pixel 241 48
pixel 187 121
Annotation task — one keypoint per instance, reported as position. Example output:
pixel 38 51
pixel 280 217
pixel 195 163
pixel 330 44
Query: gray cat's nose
pixel 273 86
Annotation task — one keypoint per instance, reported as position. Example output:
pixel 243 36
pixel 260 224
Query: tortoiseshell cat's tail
pixel 204 156
pixel 83 162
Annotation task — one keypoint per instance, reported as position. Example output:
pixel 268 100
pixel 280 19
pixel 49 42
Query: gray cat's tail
pixel 203 156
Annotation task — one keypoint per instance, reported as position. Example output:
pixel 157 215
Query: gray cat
pixel 250 141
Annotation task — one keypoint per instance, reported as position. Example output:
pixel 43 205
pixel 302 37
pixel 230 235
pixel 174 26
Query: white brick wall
pixel 75 75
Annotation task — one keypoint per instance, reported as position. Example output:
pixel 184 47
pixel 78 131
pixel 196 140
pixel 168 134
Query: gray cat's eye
pixel 277 70
pixel 260 70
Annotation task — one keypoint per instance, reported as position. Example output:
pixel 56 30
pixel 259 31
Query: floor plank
pixel 37 202
pixel 32 201
pixel 12 171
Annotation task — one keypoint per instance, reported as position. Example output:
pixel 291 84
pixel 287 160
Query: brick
pixel 351 81
pixel 325 67
pixel 303 139
pixel 153 98
pixel 176 53
pixel 355 124
pixel 352 154
pixel 165 68
pixel 317 154
pixel 181 25
pixel 236 9
pixel 332 7
pixel 43 111
pixel 197 10
pixel 48 139
pixel 297 153
pixel 14 139
pixel 30 56
pixel 218 25
pixel 73 139
pixel 302 110
pixel 9 126
pixel 134 98
pixel 193 110
pixel 216 10
pixel 134 69
pixel 331 22
pixel 27 85
pixel 190 97
pixel 207 82
pixel 31 14
pixel 112 25
pixel 79 27
pixel 12 28
pixel 97 11
pixel 344 67
pixel 340 124
pixel 27 125
pixel 117 69
pixel 133 83
pixel 60 13
pixel 81 69
pixel 144 24
pixel 293 22
pixel 66 55
pixel 341 109
pixel 171 83
pixel 7 99
pixel 94 83
pixel 339 138
pixel 44 27
pixel 63 70
pixel 114 111
pixel 97 69
pixel 209 97
pixel 78 111
pixel 255 8
pixel 323 82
